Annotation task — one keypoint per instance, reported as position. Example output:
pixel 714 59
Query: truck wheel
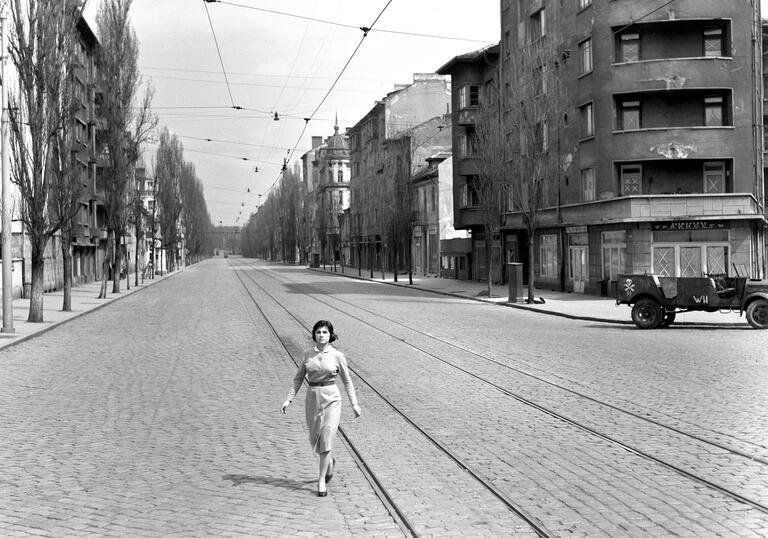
pixel 647 314
pixel 669 319
pixel 757 314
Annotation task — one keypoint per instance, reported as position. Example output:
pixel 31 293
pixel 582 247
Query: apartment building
pixel 474 79
pixel 332 197
pixel 661 148
pixel 373 169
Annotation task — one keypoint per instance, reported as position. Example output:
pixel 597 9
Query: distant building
pixel 401 111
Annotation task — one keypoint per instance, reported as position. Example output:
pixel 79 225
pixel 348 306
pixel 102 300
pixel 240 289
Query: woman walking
pixel 322 406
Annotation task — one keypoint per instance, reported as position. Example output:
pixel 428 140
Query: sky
pixel 276 63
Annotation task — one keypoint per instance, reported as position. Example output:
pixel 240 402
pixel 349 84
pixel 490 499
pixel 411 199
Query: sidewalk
pixel 556 303
pixel 84 300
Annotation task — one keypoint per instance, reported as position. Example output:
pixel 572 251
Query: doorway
pixel 579 270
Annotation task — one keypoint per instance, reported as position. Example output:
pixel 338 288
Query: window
pixel 690 260
pixel 714 177
pixel 614 253
pixel 713 42
pixel 538 25
pixel 629 47
pixel 587 121
pixel 548 250
pixel 330 176
pixel 631 179
pixel 588 184
pixel 628 116
pixel 466 145
pixel 469 96
pixel 340 176
pixel 713 111
pixel 151 205
pixel 585 55
pixel 584 3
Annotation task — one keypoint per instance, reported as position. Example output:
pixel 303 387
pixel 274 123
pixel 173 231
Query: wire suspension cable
pixel 218 51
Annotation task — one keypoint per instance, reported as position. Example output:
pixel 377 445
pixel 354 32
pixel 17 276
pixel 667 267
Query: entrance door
pixel 579 271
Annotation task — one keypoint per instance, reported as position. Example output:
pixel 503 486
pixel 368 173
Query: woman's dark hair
pixel 328 325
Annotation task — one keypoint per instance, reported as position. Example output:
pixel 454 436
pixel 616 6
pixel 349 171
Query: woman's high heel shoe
pixel 322 493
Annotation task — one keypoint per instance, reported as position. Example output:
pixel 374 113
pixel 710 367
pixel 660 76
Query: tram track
pixel 543 409
pixel 380 490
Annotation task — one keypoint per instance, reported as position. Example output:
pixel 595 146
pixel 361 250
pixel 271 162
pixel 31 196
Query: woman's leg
pixel 325 461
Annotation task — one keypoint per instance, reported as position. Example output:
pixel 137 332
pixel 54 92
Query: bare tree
pixel 40 48
pixel 125 128
pixel 516 152
pixel 535 113
pixel 169 167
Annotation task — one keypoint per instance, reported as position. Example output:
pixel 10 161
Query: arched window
pixel 340 176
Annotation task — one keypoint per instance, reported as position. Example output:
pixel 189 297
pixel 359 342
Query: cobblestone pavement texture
pixel 570 477
pixel 159 416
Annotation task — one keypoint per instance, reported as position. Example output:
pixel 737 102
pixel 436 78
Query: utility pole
pixel 6 195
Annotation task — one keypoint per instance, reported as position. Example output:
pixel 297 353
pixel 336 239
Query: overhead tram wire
pixel 365 30
pixel 218 51
pixel 343 25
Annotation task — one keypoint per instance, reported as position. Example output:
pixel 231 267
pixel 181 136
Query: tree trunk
pixel 488 265
pixel 127 272
pixel 116 265
pixel 66 256
pixel 531 253
pixel 105 266
pixel 136 260
pixel 38 274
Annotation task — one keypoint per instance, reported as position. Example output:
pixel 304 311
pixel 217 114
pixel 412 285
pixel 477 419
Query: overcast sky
pixel 285 64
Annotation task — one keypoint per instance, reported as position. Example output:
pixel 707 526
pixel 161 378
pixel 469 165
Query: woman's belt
pixel 321 383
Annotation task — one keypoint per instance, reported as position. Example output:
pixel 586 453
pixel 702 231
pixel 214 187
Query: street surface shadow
pixel 681 327
pixel 351 288
pixel 240 479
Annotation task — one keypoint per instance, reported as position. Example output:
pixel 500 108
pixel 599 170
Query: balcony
pixel 467 116
pixel 661 207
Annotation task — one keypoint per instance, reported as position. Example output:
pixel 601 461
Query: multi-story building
pixel 332 197
pixel 399 112
pixel 474 77
pixel 662 148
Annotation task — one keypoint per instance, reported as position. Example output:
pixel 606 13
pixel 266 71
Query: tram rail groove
pixel 386 499
pixel 379 490
pixel 554 414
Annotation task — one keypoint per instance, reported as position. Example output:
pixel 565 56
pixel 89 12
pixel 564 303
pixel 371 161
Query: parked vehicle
pixel 655 300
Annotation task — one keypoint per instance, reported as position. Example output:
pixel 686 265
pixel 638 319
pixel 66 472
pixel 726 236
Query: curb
pixel 76 315
pixel 527 308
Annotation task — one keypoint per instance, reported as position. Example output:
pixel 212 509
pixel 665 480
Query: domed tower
pixel 332 197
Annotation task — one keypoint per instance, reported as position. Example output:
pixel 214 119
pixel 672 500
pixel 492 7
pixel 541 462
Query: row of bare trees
pixel 281 228
pixel 516 144
pixel 43 45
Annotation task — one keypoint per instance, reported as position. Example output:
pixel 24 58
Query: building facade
pixel 371 220
pixel 662 146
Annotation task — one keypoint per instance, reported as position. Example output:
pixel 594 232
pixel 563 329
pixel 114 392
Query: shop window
pixel 548 252
pixel 614 254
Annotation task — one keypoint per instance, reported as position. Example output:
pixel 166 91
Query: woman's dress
pixel 323 402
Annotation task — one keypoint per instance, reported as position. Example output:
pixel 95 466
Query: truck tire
pixel 669 319
pixel 647 313
pixel 757 314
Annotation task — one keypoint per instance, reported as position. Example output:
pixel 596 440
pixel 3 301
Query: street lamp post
pixel 7 275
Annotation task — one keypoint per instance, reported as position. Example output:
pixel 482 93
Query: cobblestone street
pixel 158 415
